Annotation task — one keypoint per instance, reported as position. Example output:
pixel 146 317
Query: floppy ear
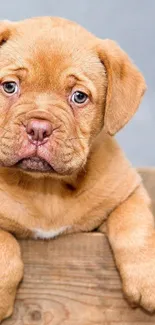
pixel 5 31
pixel 125 88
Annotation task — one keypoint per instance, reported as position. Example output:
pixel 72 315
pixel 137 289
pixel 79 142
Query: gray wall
pixel 132 24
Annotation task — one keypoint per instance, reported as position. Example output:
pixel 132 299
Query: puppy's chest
pixel 47 211
pixel 40 216
pixel 45 215
pixel 48 216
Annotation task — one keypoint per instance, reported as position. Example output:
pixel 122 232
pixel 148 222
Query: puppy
pixel 63 95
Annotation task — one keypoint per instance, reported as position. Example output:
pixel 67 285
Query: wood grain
pixel 73 281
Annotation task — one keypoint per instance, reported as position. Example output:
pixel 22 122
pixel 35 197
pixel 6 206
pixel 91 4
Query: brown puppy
pixel 59 87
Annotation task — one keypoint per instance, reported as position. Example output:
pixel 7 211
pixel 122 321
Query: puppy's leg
pixel 11 272
pixel 132 237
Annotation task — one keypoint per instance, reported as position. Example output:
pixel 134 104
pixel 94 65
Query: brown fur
pixel 93 181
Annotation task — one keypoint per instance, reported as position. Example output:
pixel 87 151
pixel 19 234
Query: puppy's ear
pixel 5 31
pixel 125 88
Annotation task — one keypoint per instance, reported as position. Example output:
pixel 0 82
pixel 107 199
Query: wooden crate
pixel 73 281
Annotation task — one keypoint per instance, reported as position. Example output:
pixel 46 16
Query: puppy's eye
pixel 10 87
pixel 79 97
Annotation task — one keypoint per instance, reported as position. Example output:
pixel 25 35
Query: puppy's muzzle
pixel 38 131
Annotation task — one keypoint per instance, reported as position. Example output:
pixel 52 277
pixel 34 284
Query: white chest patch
pixel 47 234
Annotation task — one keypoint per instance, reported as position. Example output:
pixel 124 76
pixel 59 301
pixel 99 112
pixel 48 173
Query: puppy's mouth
pixel 34 164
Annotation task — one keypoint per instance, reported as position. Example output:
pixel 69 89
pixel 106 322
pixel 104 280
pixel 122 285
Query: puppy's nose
pixel 39 130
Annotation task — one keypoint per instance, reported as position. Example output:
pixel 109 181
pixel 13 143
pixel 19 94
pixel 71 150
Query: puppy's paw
pixel 6 306
pixel 139 285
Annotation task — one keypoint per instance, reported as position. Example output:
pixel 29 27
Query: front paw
pixel 8 289
pixel 6 305
pixel 139 284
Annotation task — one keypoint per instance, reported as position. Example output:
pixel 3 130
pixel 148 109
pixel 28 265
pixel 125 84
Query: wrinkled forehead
pixel 50 50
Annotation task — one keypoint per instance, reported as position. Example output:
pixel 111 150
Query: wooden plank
pixel 148 175
pixel 73 281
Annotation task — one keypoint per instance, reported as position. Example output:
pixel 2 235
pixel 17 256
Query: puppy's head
pixel 59 86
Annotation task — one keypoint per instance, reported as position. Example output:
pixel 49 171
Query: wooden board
pixel 73 281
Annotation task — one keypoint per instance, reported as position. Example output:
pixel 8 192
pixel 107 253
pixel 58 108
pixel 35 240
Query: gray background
pixel 132 24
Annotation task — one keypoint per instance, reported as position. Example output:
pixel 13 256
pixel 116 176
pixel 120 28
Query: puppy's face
pixel 59 85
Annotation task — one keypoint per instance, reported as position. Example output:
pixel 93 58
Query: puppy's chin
pixel 65 176
pixel 39 168
pixel 34 164
pixel 36 174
